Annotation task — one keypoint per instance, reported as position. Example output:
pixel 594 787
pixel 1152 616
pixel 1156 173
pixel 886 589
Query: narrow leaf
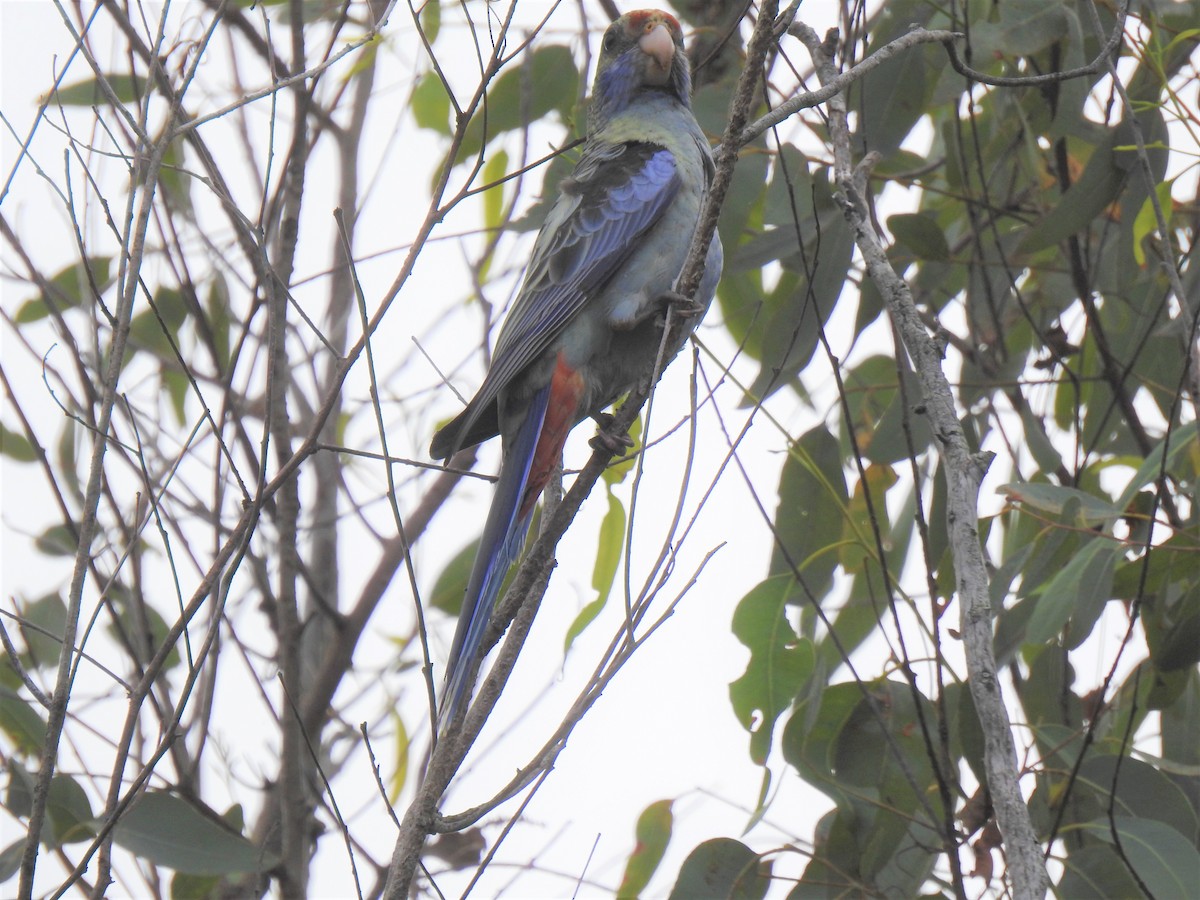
pixel 1146 222
pixel 582 620
pixel 653 833
pixel 57 540
pixel 1082 204
pixel 610 545
pixel 1089 573
pixel 70 813
pixel 185 886
pixel 543 81
pixel 808 520
pixel 493 197
pixel 400 771
pixel 858 534
pixel 155 329
pixel 1025 27
pixel 618 469
pixel 451 584
pixel 920 234
pixel 1182 439
pixel 431 19
pixel 42 624
pixel 1053 498
pixel 219 321
pixel 1096 871
pixel 10 859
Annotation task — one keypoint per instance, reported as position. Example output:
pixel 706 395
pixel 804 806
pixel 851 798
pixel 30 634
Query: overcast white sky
pixel 664 728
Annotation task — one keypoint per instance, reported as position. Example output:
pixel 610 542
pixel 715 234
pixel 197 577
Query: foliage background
pixel 1018 215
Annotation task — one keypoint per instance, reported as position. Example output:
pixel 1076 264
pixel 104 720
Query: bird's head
pixel 642 50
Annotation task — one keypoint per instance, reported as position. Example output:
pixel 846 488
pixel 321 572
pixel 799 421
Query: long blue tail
pixel 501 542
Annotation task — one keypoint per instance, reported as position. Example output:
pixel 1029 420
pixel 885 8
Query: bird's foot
pixel 604 439
pixel 684 307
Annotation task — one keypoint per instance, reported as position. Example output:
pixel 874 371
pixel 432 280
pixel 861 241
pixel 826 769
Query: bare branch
pixel 1102 61
pixel 839 82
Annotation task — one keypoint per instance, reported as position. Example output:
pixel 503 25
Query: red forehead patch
pixel 640 19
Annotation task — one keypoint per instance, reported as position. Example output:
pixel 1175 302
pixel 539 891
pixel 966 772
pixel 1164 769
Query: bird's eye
pixel 610 40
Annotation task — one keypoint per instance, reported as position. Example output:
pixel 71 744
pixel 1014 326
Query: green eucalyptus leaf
pixel 451 584
pixel 808 519
pixel 42 625
pixel 430 104
pixel 722 869
pixel 608 558
pixel 57 540
pixel 66 289
pixel 780 662
pixel 24 726
pixel 920 234
pixel 16 446
pixel 1077 593
pixel 1165 861
pixel 544 80
pixel 1096 871
pixel 69 813
pixel 431 19
pixel 1054 499
pixel 168 831
pixel 1025 27
pixel 90 92
pixel 10 859
pixel 653 833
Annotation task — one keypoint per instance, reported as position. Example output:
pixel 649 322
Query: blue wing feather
pixel 615 195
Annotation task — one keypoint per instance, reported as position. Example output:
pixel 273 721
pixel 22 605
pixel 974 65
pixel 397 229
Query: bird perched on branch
pixel 588 321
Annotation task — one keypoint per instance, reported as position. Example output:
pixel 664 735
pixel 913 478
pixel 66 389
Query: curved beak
pixel 657 44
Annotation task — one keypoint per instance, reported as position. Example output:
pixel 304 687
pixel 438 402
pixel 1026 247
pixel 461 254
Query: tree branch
pixel 133 254
pixel 838 82
pixel 964 471
pixel 1097 65
pixel 523 597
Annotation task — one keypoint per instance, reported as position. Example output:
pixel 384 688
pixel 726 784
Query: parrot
pixel 587 322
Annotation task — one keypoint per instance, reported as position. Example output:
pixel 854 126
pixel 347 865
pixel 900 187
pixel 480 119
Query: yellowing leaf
pixel 431 19
pixel 400 773
pixel 1146 222
pixel 430 104
pixel 493 197
pixel 604 573
pixel 858 530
